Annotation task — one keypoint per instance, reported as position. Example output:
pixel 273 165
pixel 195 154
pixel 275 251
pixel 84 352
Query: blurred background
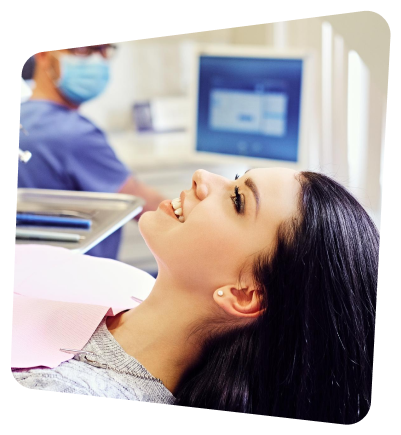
pixel 147 111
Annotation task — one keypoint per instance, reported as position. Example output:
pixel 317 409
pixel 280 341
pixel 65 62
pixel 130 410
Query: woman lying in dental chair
pixel 264 303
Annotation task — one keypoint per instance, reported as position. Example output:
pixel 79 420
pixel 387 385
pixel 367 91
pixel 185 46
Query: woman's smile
pixel 167 208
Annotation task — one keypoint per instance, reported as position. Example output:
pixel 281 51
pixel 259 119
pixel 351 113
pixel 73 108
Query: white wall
pixel 145 69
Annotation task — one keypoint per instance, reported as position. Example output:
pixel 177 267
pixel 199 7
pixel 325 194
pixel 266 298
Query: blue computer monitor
pixel 249 106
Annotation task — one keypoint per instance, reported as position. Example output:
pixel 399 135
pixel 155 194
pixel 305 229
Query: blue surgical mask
pixel 83 78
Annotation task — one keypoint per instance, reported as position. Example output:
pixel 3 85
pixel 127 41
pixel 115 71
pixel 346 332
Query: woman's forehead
pixel 278 187
pixel 275 178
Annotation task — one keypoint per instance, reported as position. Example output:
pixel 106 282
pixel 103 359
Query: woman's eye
pixel 236 177
pixel 238 201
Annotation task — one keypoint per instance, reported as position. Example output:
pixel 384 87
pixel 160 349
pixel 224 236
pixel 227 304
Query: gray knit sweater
pixel 106 371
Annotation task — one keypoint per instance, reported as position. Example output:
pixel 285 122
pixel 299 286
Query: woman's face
pixel 226 222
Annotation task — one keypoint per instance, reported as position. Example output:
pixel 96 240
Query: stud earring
pixel 220 293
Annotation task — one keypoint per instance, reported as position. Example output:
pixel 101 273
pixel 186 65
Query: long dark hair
pixel 310 355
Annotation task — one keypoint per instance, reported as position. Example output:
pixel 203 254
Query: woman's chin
pixel 144 223
pixel 151 230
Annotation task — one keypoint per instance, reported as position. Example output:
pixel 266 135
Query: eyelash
pixel 237 199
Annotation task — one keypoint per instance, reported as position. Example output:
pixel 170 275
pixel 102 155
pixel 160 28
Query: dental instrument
pixel 47 235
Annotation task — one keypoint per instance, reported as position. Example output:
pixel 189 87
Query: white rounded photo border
pixel 387 181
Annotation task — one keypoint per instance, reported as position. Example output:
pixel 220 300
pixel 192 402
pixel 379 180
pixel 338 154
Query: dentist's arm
pixel 135 187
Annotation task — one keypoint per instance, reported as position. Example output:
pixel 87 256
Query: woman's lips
pixel 167 208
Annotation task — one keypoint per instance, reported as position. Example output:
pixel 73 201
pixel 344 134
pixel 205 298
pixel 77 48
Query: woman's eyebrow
pixel 249 183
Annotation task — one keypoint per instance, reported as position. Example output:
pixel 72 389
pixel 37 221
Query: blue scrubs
pixel 69 153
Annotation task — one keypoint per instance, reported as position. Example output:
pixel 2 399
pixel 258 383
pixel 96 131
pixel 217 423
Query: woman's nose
pixel 204 182
pixel 201 183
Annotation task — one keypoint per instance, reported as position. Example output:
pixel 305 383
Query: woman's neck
pixel 161 333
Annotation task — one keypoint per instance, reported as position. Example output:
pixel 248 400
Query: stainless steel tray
pixel 108 212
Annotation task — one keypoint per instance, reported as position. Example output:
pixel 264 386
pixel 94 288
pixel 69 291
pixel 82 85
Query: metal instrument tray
pixel 108 212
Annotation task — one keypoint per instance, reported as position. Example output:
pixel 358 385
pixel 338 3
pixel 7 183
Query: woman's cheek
pixel 216 244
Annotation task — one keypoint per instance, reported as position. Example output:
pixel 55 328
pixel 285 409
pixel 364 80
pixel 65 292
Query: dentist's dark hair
pixel 310 355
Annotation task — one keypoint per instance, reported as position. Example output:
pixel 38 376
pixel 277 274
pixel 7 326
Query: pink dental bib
pixel 60 298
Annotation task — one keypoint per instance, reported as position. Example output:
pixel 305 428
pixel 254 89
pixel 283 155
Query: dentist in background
pixel 68 151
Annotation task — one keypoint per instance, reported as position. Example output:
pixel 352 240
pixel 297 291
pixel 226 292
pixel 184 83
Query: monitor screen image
pixel 249 106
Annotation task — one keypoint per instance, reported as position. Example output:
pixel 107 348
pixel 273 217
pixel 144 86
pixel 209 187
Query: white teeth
pixel 176 204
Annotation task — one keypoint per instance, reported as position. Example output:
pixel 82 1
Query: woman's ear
pixel 239 302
